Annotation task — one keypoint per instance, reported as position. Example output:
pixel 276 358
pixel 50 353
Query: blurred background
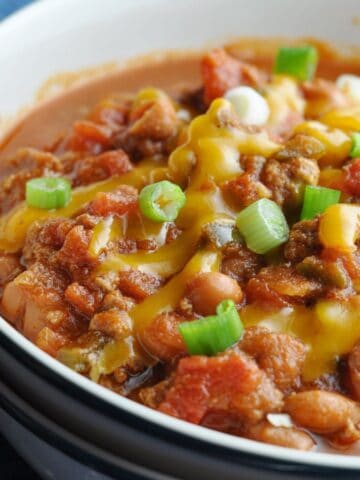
pixel 8 6
pixel 12 467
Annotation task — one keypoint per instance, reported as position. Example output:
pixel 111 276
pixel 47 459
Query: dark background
pixel 11 466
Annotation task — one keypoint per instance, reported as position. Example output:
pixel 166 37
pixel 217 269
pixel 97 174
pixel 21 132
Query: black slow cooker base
pixel 87 427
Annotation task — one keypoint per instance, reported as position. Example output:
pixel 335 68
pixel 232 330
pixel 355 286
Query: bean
pixel 281 436
pixel 354 370
pixel 345 438
pixel 9 267
pixel 206 290
pixel 13 302
pixel 161 338
pixel 319 411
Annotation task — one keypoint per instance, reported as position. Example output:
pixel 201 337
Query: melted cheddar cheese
pixel 329 329
pixel 208 158
pixel 15 224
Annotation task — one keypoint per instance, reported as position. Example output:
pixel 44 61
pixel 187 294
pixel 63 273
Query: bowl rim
pixel 231 442
pixel 215 438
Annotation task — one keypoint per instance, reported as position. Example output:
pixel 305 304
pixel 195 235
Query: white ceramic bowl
pixel 60 35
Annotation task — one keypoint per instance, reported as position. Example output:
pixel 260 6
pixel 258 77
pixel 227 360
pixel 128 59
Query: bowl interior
pixel 108 30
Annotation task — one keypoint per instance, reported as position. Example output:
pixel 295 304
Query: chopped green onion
pixel 298 62
pixel 214 334
pixel 48 192
pixel 161 201
pixel 355 145
pixel 263 226
pixel 316 201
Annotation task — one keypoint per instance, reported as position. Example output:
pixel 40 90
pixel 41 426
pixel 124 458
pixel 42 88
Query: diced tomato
pixel 137 284
pixel 112 322
pixel 203 383
pixel 51 341
pixel 246 189
pixel 75 250
pixel 109 113
pixel 350 261
pixel 89 137
pixel 80 298
pixel 352 178
pixel 220 72
pixel 121 201
pixel 280 286
pixel 115 162
pixel 99 167
pixel 92 131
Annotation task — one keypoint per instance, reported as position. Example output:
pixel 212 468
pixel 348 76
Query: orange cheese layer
pixel 15 224
pixel 209 157
pixel 168 296
pixel 329 329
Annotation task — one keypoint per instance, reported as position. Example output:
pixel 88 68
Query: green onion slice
pixel 355 145
pixel 214 334
pixel 263 225
pixel 161 201
pixel 48 192
pixel 316 201
pixel 298 62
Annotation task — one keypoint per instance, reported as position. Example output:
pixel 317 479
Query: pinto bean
pixel 161 338
pixel 206 290
pixel 319 411
pixel 13 302
pixel 350 434
pixel 354 370
pixel 281 436
pixel 345 438
pixel 9 267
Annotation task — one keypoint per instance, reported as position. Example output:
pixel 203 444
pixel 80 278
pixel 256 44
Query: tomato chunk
pixel 352 178
pixel 202 383
pixel 220 73
pixel 122 200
